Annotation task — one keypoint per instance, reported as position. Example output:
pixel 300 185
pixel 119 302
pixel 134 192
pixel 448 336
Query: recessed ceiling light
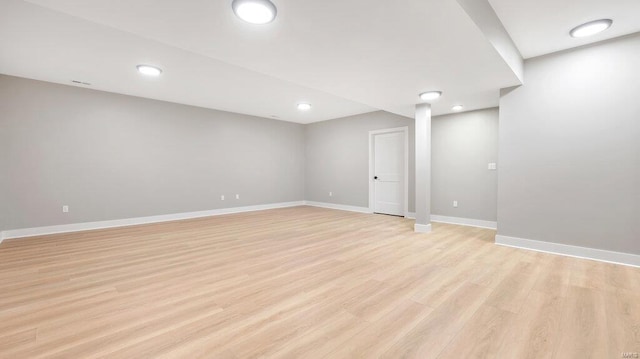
pixel 149 70
pixel 304 107
pixel 431 95
pixel 254 11
pixel 591 28
pixel 457 108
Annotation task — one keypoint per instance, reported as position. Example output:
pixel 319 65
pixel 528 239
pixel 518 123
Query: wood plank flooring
pixel 307 282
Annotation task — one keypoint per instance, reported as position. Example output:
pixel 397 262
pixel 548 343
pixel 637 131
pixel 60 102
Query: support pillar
pixel 423 168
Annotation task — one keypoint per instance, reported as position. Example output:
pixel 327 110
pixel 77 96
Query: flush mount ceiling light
pixel 149 70
pixel 431 95
pixel 304 107
pixel 255 11
pixel 457 108
pixel 591 28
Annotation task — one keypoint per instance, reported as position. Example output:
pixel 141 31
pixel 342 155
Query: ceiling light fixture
pixel 149 70
pixel 255 11
pixel 591 28
pixel 431 95
pixel 304 107
pixel 457 108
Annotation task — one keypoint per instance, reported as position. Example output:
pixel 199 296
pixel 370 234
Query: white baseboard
pixel 411 215
pixel 457 220
pixel 342 207
pixel 464 221
pixel 570 251
pixel 422 228
pixel 76 227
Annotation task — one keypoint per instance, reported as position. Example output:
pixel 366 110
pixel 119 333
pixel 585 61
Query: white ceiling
pixel 540 27
pixel 344 57
pixel 45 45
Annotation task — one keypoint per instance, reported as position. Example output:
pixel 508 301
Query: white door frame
pixel 372 194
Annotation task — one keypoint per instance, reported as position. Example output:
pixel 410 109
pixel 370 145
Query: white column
pixel 423 168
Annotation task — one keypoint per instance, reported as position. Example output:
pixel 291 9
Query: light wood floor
pixel 307 283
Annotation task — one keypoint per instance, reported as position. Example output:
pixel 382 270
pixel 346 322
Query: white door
pixel 388 170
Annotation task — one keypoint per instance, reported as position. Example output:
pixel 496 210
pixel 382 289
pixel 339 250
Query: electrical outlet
pixel 237 196
pixel 65 209
pixel 222 198
pixel 455 204
pixel 330 194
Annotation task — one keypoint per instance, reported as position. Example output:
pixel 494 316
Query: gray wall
pixel 570 149
pixel 111 156
pixel 337 160
pixel 462 145
pixel 337 157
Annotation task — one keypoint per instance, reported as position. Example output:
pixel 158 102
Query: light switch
pixel 492 166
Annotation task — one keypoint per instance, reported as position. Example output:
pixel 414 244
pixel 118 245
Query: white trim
pixel 404 130
pixel 457 220
pixel 86 226
pixel 422 228
pixel 1 236
pixel 570 251
pixel 342 207
pixel 464 221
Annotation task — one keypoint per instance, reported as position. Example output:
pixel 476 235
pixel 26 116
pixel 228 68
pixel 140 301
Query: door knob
pixel 375 177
